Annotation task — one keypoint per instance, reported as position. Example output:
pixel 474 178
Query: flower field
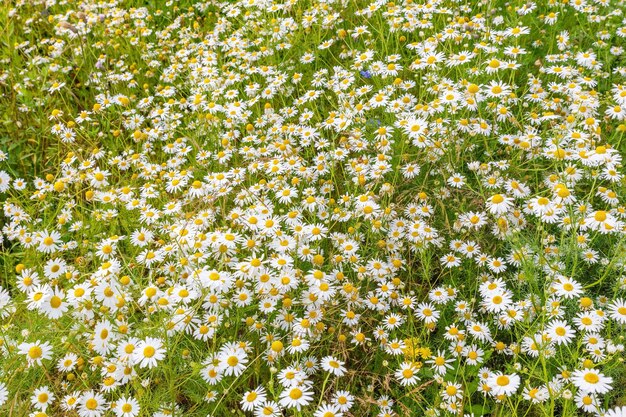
pixel 312 208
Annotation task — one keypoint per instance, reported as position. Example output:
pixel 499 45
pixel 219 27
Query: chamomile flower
pixel 328 410
pixel 149 352
pixel 617 311
pixel 439 363
pixel 127 407
pixel 296 397
pixel 35 352
pixel 42 398
pixel 406 374
pixel 615 412
pixel 567 288
pixel 91 404
pixel 591 381
pixel 602 221
pixel 499 204
pixel 253 399
pixel 536 395
pixel 343 399
pixel 503 384
pixel 268 409
pixel 334 366
pixel 473 354
pixel 233 361
pixel 560 332
pixel 49 242
pixel 4 394
pixel 68 362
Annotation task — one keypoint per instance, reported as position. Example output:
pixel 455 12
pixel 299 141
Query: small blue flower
pixel 372 122
pixel 366 74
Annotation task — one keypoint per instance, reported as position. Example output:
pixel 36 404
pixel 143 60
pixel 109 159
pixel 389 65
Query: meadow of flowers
pixel 317 208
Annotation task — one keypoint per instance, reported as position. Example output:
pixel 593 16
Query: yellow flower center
pixel 91 404
pixel 295 394
pixel 149 351
pixel 497 199
pixel 591 378
pixel 35 352
pixel 600 216
pixel 502 380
